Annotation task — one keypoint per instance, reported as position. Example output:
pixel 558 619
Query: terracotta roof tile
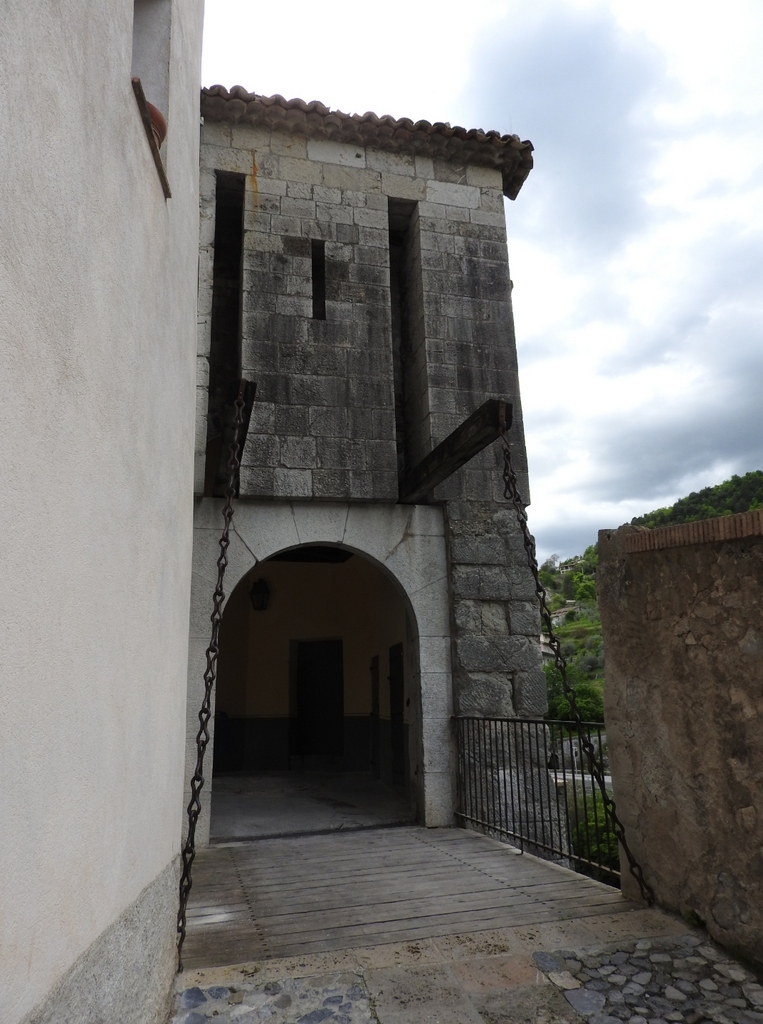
pixel 487 149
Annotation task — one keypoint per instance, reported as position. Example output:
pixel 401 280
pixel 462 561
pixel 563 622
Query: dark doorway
pixel 396 712
pixel 304 719
pixel 319 725
pixel 375 737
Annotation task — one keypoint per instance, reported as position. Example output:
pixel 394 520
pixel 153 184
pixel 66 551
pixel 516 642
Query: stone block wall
pixel 683 631
pixel 324 424
pixel 497 666
pixel 470 356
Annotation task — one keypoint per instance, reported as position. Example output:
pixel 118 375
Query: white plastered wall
pixel 408 542
pixel 97 349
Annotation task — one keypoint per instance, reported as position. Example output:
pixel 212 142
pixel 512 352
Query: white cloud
pixel 636 248
pixel 403 58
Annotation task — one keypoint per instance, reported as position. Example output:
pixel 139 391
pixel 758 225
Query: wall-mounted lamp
pixel 259 595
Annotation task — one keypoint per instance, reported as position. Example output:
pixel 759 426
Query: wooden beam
pixel 477 432
pixel 145 117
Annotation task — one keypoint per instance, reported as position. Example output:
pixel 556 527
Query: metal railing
pixel 528 781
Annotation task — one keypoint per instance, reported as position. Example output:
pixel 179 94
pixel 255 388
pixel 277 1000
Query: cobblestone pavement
pixel 684 980
pixel 557 973
pixel 334 998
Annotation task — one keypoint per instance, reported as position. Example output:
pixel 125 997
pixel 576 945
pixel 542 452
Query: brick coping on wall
pixel 507 153
pixel 735 527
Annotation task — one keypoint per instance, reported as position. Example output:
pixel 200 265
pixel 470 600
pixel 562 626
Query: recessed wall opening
pixel 313 714
pixel 318 247
pixel 151 29
pixel 408 340
pixel 225 343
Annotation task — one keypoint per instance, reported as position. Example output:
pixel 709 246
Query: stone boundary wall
pixel 683 701
pixel 743 524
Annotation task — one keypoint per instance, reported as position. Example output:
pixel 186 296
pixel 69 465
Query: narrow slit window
pixel 225 340
pixel 319 279
pixel 408 344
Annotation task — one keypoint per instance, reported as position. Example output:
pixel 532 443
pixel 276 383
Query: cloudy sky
pixel 636 244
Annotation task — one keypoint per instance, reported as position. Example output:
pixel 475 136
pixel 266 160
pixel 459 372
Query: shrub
pixel 596 844
pixel 549 582
pixel 585 590
pixel 588 695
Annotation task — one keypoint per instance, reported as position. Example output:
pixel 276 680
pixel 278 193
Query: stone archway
pixel 408 544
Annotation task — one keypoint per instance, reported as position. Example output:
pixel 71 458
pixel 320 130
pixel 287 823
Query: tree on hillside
pixel 588 694
pixel 579 634
pixel 739 494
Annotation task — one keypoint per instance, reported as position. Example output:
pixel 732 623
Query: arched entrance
pixel 314 720
pixel 397 572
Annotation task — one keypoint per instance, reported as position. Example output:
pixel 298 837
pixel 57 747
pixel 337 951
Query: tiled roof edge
pixel 507 153
pixel 705 531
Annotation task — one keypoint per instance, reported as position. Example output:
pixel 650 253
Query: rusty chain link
pixel 511 493
pixel 202 737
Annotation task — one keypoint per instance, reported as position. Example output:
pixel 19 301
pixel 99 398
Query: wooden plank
pixel 387 890
pixel 210 916
pixel 370 915
pixel 443 924
pixel 395 930
pixel 312 876
pixel 327 902
pixel 275 931
pixel 145 117
pixel 420 906
pixel 401 855
pixel 414 932
pixel 414 875
pixel 330 898
pixel 433 879
pixel 509 861
pixel 467 440
pixel 395 839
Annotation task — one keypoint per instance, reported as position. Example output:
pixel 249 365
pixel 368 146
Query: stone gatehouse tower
pixel 356 268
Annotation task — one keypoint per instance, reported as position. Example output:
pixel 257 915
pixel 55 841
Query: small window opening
pixel 151 50
pixel 319 279
pixel 225 341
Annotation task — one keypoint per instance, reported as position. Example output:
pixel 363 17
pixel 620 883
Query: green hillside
pixel 739 494
pixel 571 593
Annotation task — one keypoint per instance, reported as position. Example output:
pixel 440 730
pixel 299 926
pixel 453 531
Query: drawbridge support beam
pixel 478 431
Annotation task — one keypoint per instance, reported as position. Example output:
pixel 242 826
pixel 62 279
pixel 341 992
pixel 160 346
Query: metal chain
pixel 511 493
pixel 202 737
